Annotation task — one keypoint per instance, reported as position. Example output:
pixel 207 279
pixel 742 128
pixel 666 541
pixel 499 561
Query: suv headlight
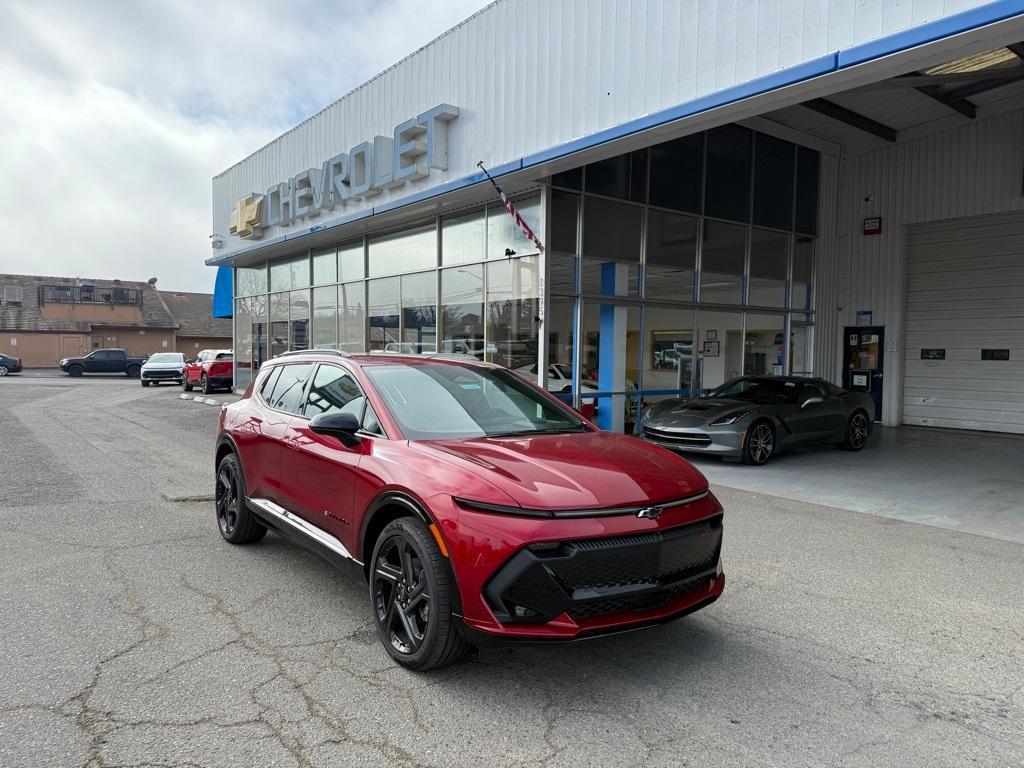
pixel 732 418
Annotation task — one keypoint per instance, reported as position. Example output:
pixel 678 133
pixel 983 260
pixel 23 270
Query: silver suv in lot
pixel 163 366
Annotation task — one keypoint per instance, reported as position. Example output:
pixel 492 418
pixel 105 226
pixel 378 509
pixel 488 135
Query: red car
pixel 212 369
pixel 478 507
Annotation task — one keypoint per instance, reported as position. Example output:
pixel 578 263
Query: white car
pixel 560 380
pixel 163 366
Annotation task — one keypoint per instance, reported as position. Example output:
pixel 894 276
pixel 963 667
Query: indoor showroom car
pixel 755 417
pixel 478 508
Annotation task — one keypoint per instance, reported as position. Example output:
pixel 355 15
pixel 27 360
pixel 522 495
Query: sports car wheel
pixel 760 444
pixel 856 432
pixel 234 520
pixel 411 595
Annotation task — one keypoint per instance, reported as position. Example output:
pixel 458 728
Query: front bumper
pixel 161 375
pixel 717 441
pixel 528 579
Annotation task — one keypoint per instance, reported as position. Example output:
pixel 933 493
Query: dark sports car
pixel 755 417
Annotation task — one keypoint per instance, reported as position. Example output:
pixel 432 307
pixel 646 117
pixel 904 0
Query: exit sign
pixel 873 225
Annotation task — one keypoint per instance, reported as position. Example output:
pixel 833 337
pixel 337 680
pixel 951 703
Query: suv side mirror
pixel 812 401
pixel 340 425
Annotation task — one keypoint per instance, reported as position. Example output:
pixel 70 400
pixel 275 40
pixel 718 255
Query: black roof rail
pixel 292 353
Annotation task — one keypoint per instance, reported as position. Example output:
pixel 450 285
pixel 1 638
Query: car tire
pixel 187 385
pixel 411 597
pixel 132 371
pixel 204 383
pixel 3 370
pixel 75 370
pixel 145 383
pixel 857 429
pixel 235 521
pixel 760 444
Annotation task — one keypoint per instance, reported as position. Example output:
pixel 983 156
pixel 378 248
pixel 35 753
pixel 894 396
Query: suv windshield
pixel 436 401
pixel 759 390
pixel 167 357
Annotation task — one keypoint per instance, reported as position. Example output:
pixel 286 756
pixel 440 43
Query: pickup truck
pixel 103 361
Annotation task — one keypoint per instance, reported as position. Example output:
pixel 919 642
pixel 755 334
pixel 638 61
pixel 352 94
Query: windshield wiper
pixel 548 431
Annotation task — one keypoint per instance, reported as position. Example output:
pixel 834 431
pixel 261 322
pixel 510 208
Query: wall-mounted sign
pixel 711 349
pixel 995 354
pixel 415 147
pixel 873 225
pixel 859 380
pixel 864 317
pixel 933 354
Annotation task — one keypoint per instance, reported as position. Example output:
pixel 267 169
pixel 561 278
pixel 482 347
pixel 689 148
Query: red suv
pixel 477 506
pixel 212 369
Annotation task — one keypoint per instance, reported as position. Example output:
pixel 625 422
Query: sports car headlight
pixel 732 418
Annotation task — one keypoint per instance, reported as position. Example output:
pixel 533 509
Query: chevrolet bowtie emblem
pixel 245 219
pixel 650 513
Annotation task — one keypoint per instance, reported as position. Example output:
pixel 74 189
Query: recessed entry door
pixel 863 362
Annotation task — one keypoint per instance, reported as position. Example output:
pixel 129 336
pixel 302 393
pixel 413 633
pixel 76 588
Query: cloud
pixel 116 116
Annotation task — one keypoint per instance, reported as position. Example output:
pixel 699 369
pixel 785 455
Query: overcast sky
pixel 115 115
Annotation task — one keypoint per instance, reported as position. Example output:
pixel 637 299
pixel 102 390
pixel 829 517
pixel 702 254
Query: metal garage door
pixel 965 314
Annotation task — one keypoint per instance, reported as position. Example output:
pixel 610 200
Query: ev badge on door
pixel 650 513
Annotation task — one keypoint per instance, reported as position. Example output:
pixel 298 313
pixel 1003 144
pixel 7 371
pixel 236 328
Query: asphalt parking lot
pixel 133 636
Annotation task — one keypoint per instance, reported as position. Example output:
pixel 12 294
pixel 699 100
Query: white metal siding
pixel 965 282
pixel 971 170
pixel 529 75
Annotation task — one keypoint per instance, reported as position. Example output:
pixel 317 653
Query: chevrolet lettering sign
pixel 416 146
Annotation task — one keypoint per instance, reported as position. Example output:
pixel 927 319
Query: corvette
pixel 476 507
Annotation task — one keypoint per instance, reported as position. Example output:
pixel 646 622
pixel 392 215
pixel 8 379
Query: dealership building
pixel 825 187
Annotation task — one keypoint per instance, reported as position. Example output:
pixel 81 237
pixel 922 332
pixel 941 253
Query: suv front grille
pixel 598 576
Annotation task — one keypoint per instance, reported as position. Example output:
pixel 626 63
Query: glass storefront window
pixel 668 358
pixel 462 310
pixel 671 256
pixel 463 238
pixel 384 302
pixel 404 251
pixel 677 169
pixel 325 317
pixel 561 320
pixel 800 347
pixel 622 176
pixel 325 265
pixel 807 161
pixel 562 242
pixel 251 281
pixel 611 247
pixel 352 317
pixel 419 318
pixel 350 261
pixel 803 270
pixel 513 294
pixel 723 255
pixel 278 324
pixel 298 316
pixel 502 233
pixel 769 263
pixel 290 273
pixel 719 349
pixel 763 345
pixel 727 173
pixel 243 343
pixel 774 168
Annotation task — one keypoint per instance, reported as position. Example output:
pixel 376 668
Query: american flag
pixel 516 217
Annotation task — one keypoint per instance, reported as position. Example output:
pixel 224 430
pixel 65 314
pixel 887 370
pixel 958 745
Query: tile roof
pixel 27 315
pixel 194 313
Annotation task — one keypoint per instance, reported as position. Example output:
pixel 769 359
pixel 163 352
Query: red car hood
pixel 574 471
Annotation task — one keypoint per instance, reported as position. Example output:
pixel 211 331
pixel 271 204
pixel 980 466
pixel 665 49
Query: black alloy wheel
pixel 236 523
pixel 75 370
pixel 760 444
pixel 857 432
pixel 411 594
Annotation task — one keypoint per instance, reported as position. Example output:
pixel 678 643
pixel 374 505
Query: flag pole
pixel 516 217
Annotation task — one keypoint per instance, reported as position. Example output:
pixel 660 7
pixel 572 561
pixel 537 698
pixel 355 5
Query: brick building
pixel 43 319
